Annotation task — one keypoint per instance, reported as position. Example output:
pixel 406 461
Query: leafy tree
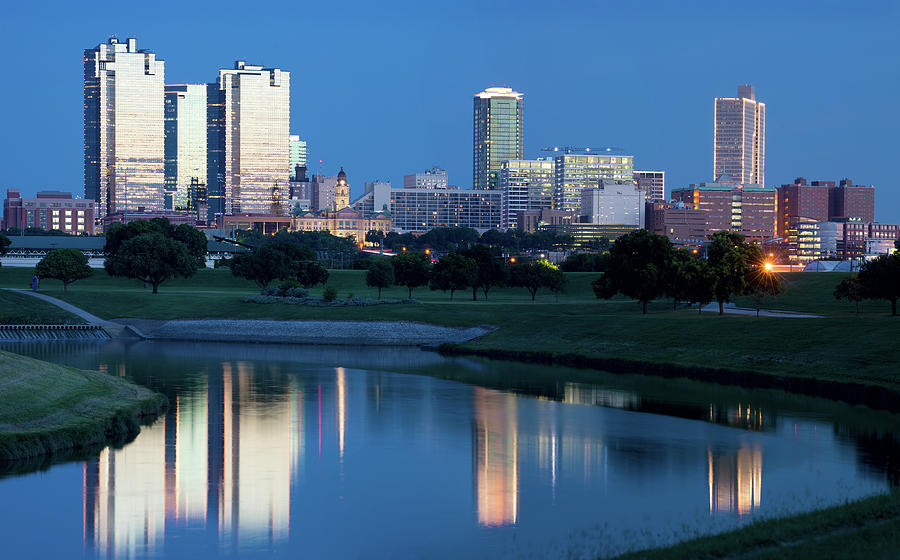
pixel 492 271
pixel 453 272
pixel 153 258
pixel 701 288
pixel 309 273
pixel 375 236
pixel 65 265
pixel 193 239
pixel 850 288
pixel 4 243
pixel 762 283
pixel 411 269
pixel 637 267
pixel 536 275
pixel 732 260
pixel 584 262
pixel 380 275
pixel 880 279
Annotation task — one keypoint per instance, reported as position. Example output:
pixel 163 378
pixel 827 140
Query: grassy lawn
pixel 842 346
pixel 49 409
pixel 866 529
pixel 22 309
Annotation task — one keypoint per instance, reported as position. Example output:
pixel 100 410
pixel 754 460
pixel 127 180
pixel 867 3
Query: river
pixel 341 452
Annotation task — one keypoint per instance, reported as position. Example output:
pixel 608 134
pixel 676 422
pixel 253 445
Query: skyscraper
pixel 249 138
pixel 576 172
pixel 499 133
pixel 123 127
pixel 740 137
pixel 185 142
pixel 525 185
pixel 299 154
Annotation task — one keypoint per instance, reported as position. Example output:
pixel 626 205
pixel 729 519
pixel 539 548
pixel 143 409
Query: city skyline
pixel 805 130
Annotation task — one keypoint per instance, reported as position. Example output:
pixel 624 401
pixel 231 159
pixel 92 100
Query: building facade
pixel 499 134
pixel 49 210
pixel 249 123
pixel 525 185
pixel 613 203
pixel 824 201
pixel 299 155
pixel 683 225
pixel 733 206
pixel 434 178
pixel 740 137
pixel 576 172
pixel 851 202
pixel 531 221
pixel 424 209
pixel 123 127
pixel 345 222
pixel 185 142
pixel 652 183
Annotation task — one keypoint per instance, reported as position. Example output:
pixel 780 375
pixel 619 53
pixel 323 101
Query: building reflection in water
pixel 495 457
pixel 735 480
pixel 223 459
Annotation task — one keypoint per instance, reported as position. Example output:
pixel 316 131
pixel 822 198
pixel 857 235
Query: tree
pixel 584 262
pixel 492 271
pixel 65 265
pixel 880 279
pixel 375 237
pixel 536 275
pixel 380 275
pixel 850 288
pixel 637 267
pixel 685 272
pixel 411 269
pixel 152 258
pixel 762 282
pixel 309 273
pixel 701 289
pixel 732 260
pixel 453 272
pixel 193 239
pixel 262 265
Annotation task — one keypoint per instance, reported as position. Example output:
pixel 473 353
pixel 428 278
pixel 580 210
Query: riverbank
pixel 861 530
pixel 50 410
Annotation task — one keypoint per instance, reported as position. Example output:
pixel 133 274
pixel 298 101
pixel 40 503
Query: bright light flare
pixel 768 266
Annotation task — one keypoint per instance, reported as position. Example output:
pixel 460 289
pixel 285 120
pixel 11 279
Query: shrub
pixel 330 293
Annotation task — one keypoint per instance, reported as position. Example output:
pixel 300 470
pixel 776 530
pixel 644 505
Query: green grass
pixel 48 409
pixel 22 309
pixel 866 529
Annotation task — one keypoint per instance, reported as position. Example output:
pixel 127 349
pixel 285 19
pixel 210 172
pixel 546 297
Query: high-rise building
pixel 525 185
pixel 851 202
pixel 499 133
pixel 576 172
pixel 652 183
pixel 613 204
pixel 434 178
pixel 299 155
pixel 800 200
pixel 249 138
pixel 740 137
pixel 185 142
pixel 123 127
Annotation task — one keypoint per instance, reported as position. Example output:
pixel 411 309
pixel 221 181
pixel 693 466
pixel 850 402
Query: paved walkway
pixel 113 329
pixel 732 309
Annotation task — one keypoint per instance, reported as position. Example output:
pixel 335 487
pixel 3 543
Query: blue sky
pixel 385 88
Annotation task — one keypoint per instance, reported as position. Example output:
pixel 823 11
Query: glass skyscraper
pixel 299 153
pixel 499 134
pixel 123 127
pixel 576 172
pixel 185 142
pixel 249 139
pixel 740 138
pixel 525 185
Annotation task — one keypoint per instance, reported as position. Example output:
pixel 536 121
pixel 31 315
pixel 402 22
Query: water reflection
pixel 735 480
pixel 302 452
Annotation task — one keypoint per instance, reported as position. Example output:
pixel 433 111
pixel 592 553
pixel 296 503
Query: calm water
pixel 373 453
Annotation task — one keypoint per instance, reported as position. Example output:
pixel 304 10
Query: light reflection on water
pixel 282 449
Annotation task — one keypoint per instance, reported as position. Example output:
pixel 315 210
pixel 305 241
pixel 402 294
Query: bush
pixel 330 293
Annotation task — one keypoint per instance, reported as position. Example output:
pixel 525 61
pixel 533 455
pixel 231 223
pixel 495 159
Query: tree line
pixel 878 278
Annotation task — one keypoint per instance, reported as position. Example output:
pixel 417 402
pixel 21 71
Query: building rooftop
pixel 493 92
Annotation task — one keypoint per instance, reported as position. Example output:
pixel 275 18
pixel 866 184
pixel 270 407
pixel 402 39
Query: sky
pixel 385 88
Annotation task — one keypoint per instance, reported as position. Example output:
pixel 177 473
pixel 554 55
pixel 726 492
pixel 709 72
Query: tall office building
pixel 525 185
pixel 123 127
pixel 740 137
pixel 299 154
pixel 249 138
pixel 576 172
pixel 499 133
pixel 185 142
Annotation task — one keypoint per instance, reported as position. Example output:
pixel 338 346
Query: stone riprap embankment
pixel 367 333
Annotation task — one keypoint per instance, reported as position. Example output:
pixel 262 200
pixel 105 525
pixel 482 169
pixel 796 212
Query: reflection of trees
pixel 877 452
pixel 495 457
pixel 735 479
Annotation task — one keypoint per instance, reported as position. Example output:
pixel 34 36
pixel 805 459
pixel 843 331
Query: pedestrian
pixel 35 281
